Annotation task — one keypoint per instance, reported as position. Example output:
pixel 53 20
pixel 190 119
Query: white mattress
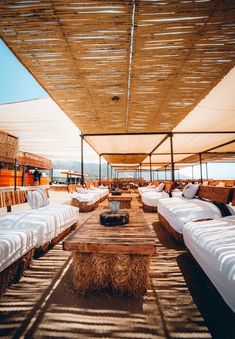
pixel 90 197
pixel 146 189
pixel 151 198
pixel 101 191
pixel 46 222
pixel 212 243
pixel 178 211
pixel 13 245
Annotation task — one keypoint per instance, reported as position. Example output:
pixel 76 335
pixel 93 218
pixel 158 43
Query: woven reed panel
pixel 181 50
pixel 9 146
pixel 80 53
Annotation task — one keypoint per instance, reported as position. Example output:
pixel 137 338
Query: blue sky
pixel 16 83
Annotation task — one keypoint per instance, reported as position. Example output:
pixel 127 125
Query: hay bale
pixel 124 274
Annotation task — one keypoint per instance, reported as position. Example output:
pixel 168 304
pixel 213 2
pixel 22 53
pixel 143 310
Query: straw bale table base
pixel 123 273
pixel 113 258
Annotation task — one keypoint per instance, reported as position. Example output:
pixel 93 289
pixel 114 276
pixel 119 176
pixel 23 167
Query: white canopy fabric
pixel 43 128
pixel 112 145
pixel 124 143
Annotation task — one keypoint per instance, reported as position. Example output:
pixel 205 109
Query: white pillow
pixel 151 186
pixel 190 191
pixel 37 199
pixel 160 187
pixel 44 200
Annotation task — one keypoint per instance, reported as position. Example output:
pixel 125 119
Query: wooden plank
pixel 126 239
pixel 217 194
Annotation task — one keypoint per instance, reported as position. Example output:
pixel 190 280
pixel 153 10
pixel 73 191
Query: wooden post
pixel 82 161
pixel 111 168
pixel 172 159
pixel 200 160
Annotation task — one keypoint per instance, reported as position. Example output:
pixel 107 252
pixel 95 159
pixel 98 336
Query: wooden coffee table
pixel 125 200
pixel 116 258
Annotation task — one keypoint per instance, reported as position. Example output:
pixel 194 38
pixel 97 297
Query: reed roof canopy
pixel 133 67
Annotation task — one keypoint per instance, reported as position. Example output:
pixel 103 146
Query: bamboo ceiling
pixel 123 66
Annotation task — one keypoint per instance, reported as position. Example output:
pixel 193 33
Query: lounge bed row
pixel 204 219
pixel 29 234
pixel 87 199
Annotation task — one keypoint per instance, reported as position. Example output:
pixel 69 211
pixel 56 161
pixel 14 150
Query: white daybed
pixel 212 244
pixel 88 200
pixel 174 213
pixel 46 226
pixel 144 189
pixel 151 197
pixel 46 222
pixel 16 251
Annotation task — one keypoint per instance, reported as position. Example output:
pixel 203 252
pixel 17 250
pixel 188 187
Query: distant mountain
pixel 92 170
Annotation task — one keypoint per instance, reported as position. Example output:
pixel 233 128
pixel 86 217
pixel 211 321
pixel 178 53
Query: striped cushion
pixel 37 199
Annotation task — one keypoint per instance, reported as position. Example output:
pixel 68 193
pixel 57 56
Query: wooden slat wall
pixel 79 52
pixel 9 146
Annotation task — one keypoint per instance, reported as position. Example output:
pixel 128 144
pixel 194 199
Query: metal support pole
pixel 140 172
pixel 200 160
pixel 23 171
pixel 99 169
pixel 15 174
pixel 172 159
pixel 51 175
pixel 111 172
pixel 82 161
pixel 157 175
pixel 206 172
pixel 150 164
pixel 192 173
pixel 165 172
pixel 107 170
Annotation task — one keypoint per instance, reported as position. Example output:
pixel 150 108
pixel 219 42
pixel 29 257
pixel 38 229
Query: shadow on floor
pixel 164 237
pixel 219 318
